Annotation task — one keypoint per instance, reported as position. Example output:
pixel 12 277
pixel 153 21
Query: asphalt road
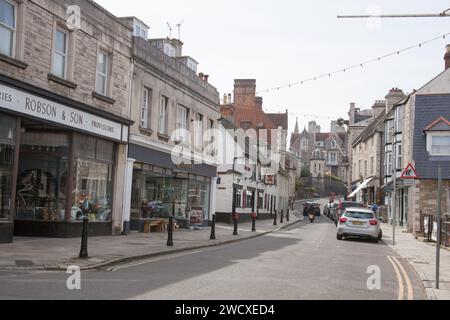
pixel 300 263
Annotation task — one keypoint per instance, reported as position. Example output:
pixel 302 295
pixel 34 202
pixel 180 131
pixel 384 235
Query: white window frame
pixel 145 108
pixel 199 119
pixel 11 29
pixel 162 120
pixel 182 122
pixel 430 136
pixel 104 76
pixel 63 54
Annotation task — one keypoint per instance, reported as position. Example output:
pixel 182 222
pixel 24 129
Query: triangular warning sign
pixel 409 173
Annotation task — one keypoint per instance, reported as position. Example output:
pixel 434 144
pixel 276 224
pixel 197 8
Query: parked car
pixel 343 206
pixel 359 222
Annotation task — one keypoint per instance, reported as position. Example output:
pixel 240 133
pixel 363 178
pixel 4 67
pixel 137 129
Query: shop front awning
pixel 361 186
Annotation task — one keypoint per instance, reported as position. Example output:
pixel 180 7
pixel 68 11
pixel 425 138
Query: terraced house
pixel 173 108
pixel 65 74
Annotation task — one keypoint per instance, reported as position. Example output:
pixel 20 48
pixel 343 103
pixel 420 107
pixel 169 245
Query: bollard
pixel 170 232
pixel 213 228
pixel 275 219
pixel 235 231
pixel 287 218
pixel 282 217
pixel 253 223
pixel 84 239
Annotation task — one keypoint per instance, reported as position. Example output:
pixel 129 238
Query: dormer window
pixel 169 50
pixel 438 138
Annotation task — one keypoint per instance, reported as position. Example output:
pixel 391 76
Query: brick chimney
pixel 206 77
pixel 259 102
pixel 245 92
pixel 395 95
pixel 447 57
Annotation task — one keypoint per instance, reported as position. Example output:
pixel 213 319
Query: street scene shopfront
pixel 57 166
pixel 161 189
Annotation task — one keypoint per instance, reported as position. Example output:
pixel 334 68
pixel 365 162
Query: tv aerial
pixel 179 29
pixel 170 30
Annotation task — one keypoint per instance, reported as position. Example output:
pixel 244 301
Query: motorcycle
pixel 312 217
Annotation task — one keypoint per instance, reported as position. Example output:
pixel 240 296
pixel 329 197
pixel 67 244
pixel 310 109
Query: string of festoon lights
pixel 351 67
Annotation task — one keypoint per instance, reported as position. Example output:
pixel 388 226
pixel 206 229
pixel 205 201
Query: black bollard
pixel 288 215
pixel 275 219
pixel 282 217
pixel 170 232
pixel 213 228
pixel 235 231
pixel 84 239
pixel 253 224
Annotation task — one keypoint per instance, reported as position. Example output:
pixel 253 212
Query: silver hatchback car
pixel 361 223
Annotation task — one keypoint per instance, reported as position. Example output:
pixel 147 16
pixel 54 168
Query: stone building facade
pixel 173 109
pixel 65 117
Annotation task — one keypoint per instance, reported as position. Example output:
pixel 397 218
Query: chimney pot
pixel 201 75
pixel 447 57
pixel 206 77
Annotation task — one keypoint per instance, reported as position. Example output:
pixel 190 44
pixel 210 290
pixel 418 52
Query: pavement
pixel 422 257
pixel 58 254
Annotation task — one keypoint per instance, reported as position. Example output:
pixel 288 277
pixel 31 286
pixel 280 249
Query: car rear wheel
pixel 339 237
pixel 380 236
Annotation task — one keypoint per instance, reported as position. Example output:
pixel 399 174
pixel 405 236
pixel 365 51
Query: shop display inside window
pixel 93 191
pixel 7 148
pixel 43 168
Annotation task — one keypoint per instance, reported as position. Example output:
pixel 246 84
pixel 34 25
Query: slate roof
pixel 370 129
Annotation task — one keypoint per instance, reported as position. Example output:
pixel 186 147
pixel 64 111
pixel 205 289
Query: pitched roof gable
pixel 440 124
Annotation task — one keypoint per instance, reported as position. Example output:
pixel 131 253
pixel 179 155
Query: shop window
pixel 42 179
pixel 198 201
pixel 237 198
pixel 260 200
pixel 7 27
pixel 7 147
pixel 94 165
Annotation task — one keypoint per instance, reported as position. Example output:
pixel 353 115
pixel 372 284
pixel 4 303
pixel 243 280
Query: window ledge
pixel 103 98
pixel 164 137
pixel 14 62
pixel 146 131
pixel 61 81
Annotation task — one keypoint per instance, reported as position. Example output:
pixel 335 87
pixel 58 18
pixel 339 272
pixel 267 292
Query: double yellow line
pixel 402 274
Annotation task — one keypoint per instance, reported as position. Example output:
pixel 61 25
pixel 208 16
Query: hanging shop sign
pixel 37 107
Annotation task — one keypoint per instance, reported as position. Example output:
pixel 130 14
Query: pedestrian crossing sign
pixel 409 173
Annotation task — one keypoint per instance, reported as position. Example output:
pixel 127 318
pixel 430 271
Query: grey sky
pixel 279 42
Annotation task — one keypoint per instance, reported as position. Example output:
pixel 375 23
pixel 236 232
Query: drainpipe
pixel 128 174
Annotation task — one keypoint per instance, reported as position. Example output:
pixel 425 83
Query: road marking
pixel 407 279
pixel 320 242
pixel 113 269
pixel 401 289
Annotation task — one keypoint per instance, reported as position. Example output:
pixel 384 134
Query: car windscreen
pixel 359 215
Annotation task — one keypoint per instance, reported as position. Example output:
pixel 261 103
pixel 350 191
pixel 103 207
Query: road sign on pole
pixel 410 173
